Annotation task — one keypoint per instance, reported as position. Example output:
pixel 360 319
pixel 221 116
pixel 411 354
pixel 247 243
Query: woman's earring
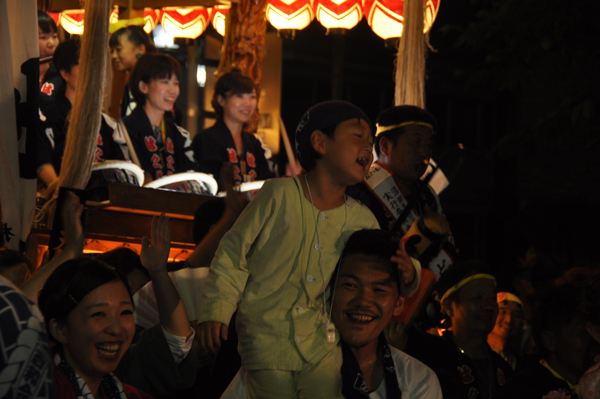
pixel 138 56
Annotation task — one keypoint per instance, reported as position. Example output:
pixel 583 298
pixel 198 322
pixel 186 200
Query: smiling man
pixel 393 189
pixel 463 361
pixel 365 298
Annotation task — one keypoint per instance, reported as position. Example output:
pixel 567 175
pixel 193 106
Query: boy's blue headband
pixel 320 116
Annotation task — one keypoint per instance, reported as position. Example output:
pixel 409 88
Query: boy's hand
pixel 210 334
pixel 155 254
pixel 405 264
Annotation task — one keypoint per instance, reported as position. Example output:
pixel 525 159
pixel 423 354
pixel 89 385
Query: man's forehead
pixel 418 130
pixel 361 265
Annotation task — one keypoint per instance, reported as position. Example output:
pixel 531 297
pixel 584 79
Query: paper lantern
pixel 151 17
pixel 289 14
pixel 217 18
pixel 189 22
pixel 338 13
pixel 386 17
pixel 72 21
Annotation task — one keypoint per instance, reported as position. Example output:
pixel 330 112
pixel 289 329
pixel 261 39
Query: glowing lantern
pixel 338 13
pixel 55 16
pixel 289 14
pixel 187 22
pixel 72 21
pixel 386 17
pixel 151 17
pixel 217 18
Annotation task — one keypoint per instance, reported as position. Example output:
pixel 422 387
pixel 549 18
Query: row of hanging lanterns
pixel 188 22
pixel 385 17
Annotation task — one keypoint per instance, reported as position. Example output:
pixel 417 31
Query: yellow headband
pixel 508 296
pixel 124 23
pixel 382 129
pixel 462 283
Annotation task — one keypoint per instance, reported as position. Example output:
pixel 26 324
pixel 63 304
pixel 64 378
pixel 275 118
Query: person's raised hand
pixel 155 251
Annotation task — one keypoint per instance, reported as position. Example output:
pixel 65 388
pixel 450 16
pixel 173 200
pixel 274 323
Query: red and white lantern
pixel 217 18
pixel 289 14
pixel 338 13
pixel 72 21
pixel 189 22
pixel 386 17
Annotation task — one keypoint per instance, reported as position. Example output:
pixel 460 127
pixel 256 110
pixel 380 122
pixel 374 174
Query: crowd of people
pixel 301 292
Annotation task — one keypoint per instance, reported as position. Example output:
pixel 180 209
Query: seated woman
pixel 155 142
pixel 88 311
pixel 234 101
pixel 127 45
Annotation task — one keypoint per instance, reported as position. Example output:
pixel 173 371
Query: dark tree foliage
pixel 547 52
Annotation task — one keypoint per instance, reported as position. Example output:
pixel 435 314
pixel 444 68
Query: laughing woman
pixel 234 101
pixel 155 142
pixel 88 311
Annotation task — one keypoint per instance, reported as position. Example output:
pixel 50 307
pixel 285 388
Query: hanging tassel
pixel 410 61
pixel 85 117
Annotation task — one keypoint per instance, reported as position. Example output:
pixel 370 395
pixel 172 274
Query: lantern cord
pixel 410 61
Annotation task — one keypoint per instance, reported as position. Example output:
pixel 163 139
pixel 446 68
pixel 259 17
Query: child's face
pixel 161 93
pixel 125 54
pixel 349 153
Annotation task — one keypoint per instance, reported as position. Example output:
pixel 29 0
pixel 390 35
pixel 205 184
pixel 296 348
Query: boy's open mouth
pixel 362 161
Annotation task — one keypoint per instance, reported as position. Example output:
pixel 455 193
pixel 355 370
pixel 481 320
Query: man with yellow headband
pixel 509 324
pixel 393 189
pixel 566 348
pixel 466 366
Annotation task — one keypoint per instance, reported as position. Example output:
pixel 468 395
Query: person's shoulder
pixel 414 376
pixel 411 366
pixel 281 185
pixel 108 122
pixel 134 393
pixel 361 210
pixel 14 298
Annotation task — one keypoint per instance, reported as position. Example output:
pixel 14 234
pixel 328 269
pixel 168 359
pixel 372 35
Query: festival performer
pixel 55 106
pixel 234 101
pixel 393 189
pixel 275 263
pixel 462 359
pixel 154 141
pixel 48 41
pixel 127 45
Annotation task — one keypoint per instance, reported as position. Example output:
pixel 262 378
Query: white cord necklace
pixel 329 327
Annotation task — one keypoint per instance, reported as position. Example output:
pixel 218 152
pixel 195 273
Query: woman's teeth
pixel 108 349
